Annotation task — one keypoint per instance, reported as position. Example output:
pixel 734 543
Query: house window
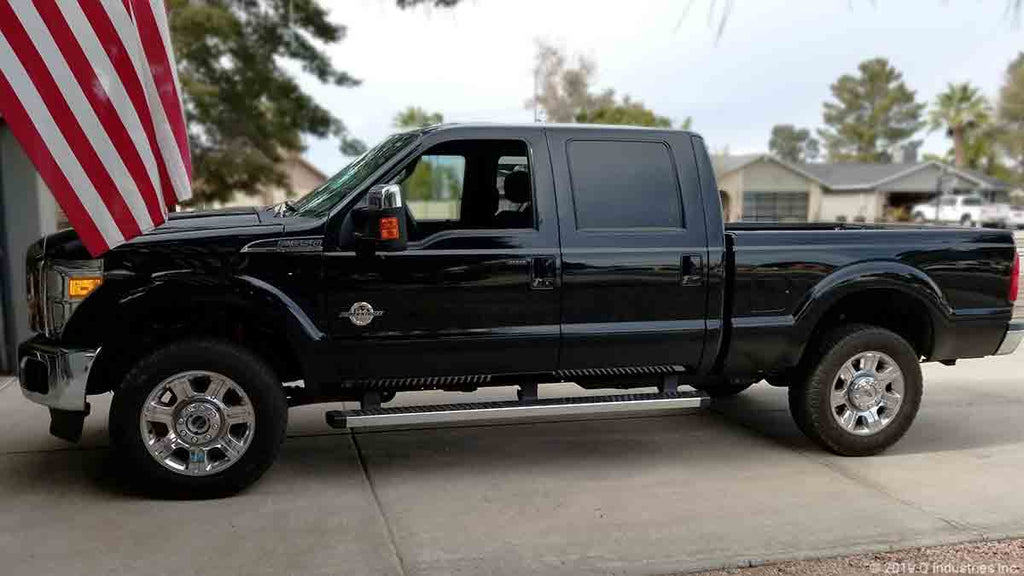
pixel 775 206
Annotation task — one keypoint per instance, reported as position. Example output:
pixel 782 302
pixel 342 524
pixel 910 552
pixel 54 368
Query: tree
pixel 964 113
pixel 627 112
pixel 564 94
pixel 874 113
pixel 718 14
pixel 562 90
pixel 245 112
pixel 416 117
pixel 1011 116
pixel 793 144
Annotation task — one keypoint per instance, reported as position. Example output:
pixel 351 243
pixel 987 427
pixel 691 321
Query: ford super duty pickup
pixel 463 256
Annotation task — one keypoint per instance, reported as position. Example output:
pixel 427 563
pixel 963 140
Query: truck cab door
pixel 474 294
pixel 634 249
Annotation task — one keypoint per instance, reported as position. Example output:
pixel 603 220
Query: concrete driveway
pixel 721 487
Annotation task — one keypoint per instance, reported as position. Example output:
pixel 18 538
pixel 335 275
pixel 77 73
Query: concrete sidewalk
pixel 723 487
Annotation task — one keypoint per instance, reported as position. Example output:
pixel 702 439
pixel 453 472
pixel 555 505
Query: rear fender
pixel 861 277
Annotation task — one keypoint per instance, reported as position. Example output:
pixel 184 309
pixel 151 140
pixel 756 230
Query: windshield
pixel 320 201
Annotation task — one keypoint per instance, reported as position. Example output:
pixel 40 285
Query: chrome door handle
pixel 691 270
pixel 543 271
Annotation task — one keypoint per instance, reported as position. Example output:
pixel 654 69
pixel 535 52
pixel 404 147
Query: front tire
pixel 861 392
pixel 200 419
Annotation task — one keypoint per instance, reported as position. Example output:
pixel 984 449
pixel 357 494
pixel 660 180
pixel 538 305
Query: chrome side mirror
pixel 381 225
pixel 384 196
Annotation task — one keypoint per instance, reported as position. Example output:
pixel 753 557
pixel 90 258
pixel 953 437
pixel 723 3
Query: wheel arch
pixel 890 295
pixel 241 309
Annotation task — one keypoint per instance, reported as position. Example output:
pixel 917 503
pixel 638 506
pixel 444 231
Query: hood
pixel 210 219
pixel 66 245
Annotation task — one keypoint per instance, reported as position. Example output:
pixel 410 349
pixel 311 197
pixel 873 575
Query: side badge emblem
pixel 361 313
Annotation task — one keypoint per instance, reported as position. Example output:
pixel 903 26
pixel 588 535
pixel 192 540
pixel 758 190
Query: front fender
pixel 126 312
pixel 119 306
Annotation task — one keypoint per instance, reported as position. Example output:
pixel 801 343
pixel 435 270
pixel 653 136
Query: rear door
pixel 634 248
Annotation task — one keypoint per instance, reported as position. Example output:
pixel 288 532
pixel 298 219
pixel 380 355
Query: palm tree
pixel 960 110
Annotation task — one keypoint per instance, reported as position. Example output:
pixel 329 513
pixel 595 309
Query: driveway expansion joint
pixel 392 542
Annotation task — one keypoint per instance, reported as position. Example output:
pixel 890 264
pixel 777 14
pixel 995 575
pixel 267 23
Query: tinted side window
pixel 468 185
pixel 434 189
pixel 624 185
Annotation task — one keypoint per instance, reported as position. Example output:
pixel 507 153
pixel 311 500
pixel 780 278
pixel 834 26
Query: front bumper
pixel 1014 335
pixel 53 375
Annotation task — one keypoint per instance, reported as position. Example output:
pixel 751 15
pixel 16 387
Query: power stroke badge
pixel 361 313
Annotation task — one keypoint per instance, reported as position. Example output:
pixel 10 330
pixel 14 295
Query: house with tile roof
pixel 763 187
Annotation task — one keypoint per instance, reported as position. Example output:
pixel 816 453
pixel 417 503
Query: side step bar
pixel 487 412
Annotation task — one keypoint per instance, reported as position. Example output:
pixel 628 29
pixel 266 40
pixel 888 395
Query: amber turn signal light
pixel 389 228
pixel 81 287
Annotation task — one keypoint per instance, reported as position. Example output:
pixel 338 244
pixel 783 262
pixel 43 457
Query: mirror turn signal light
pixel 389 228
pixel 82 286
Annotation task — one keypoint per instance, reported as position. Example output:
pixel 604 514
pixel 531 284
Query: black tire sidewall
pixel 253 375
pixel 812 407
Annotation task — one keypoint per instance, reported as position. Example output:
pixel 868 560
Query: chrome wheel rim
pixel 867 393
pixel 197 423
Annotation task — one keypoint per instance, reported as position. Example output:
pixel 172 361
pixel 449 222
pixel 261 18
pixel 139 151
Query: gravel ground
pixel 982 558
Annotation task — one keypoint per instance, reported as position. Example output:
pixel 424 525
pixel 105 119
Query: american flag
pixel 89 89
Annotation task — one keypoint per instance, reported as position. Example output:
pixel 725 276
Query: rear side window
pixel 624 185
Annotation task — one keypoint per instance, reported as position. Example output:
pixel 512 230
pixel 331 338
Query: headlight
pixel 60 286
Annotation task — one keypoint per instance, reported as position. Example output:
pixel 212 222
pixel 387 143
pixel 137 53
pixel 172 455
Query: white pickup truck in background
pixel 1016 219
pixel 966 210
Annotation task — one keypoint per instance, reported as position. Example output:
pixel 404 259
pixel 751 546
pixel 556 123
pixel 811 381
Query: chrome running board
pixel 576 408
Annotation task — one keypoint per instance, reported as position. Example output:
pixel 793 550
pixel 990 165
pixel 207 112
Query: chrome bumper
pixel 1014 334
pixel 54 376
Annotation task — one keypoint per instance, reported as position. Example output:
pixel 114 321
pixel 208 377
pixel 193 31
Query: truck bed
pixel 779 272
pixel 820 226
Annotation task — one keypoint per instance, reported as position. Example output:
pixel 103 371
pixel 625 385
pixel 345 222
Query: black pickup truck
pixel 463 256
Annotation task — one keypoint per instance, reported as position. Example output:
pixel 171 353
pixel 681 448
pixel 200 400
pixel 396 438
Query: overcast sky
pixel 773 64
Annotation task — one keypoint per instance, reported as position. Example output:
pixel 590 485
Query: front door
pixel 476 291
pixel 634 249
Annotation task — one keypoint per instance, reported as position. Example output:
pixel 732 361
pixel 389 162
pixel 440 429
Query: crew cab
pixel 463 256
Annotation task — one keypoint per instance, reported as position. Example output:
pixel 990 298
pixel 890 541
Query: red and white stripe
pixel 90 91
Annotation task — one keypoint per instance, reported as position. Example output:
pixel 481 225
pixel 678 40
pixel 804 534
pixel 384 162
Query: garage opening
pixel 775 206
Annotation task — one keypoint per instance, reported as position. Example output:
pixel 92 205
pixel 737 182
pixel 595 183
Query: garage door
pixel 775 206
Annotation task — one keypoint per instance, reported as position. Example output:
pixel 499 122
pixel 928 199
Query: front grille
pixel 36 293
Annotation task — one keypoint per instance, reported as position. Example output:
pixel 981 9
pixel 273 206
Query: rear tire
pixel 198 419
pixel 861 391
